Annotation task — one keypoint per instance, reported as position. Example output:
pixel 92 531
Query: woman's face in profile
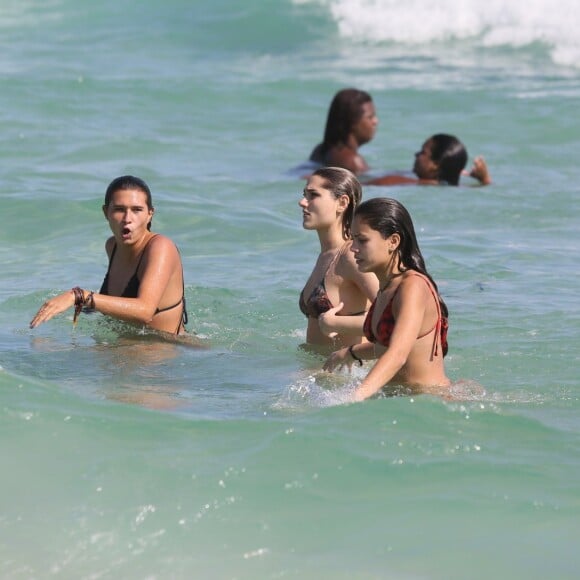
pixel 425 167
pixel 366 127
pixel 319 205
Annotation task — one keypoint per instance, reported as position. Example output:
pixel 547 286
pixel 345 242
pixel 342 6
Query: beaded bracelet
pixel 356 358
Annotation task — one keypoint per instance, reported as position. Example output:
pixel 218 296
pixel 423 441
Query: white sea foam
pixel 494 23
pixel 319 389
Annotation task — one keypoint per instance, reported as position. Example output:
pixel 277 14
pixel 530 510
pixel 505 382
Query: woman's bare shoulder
pixel 342 156
pixel 416 284
pixel 160 243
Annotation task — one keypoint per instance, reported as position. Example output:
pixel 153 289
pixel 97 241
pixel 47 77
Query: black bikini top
pixel 132 288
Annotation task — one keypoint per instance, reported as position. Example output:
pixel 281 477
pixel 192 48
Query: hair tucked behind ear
pixel 388 216
pixel 343 182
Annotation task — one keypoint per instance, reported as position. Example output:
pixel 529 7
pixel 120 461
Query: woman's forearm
pixel 349 325
pixel 386 367
pixel 134 310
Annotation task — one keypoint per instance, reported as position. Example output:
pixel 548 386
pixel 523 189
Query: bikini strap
pixel 184 317
pixel 437 327
pixel 143 252
pixel 113 251
pixel 335 258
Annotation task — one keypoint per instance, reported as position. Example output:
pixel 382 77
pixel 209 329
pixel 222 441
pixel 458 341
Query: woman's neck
pixel 390 273
pixel 352 142
pixel 129 252
pixel 330 239
pixel 386 281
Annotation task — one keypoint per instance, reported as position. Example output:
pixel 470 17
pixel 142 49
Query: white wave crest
pixel 552 23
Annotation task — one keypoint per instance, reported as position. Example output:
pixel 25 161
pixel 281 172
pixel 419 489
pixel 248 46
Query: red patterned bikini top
pixel 386 324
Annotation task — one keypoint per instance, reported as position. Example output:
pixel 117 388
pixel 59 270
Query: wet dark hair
pixel 346 109
pixel 128 182
pixel 450 155
pixel 341 181
pixel 388 216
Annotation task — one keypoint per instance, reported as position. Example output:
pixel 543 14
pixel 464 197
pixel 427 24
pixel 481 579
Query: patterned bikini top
pixel 318 302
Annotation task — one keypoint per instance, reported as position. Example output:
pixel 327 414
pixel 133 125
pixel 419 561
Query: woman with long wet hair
pixel 406 326
pixel 351 122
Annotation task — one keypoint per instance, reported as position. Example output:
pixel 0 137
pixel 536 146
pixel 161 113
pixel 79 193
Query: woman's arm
pixel 367 285
pixel 392 179
pixel 159 264
pixel 348 355
pixel 409 309
pixel 332 324
pixel 342 156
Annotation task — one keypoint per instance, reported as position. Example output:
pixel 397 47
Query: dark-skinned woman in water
pixel 440 161
pixel 351 122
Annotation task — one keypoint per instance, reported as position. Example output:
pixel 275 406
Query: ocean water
pixel 123 457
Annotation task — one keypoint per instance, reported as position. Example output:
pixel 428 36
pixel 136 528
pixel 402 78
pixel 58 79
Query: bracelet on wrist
pixel 79 297
pixel 354 356
pixel 89 303
pixel 81 302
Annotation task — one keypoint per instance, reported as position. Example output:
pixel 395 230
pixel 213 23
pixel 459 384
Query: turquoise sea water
pixel 123 457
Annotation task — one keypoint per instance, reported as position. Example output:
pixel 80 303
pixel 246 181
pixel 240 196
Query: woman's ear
pixel 105 211
pixel 395 241
pixel 343 202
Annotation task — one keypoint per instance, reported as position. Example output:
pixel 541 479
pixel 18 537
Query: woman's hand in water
pixel 53 307
pixel 328 322
pixel 338 359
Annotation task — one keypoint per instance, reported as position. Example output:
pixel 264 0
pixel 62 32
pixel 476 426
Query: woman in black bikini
pixel 407 323
pixel 336 295
pixel 144 282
